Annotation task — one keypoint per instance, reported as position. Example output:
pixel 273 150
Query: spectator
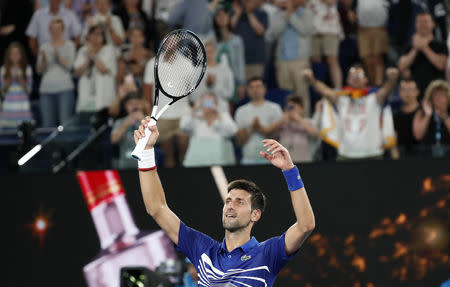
pixel 15 86
pixel 38 31
pixel 294 50
pixel 326 37
pixel 230 45
pixel 83 9
pixel 372 37
pixel 209 131
pixel 96 68
pixel 252 120
pixel 159 12
pixel 295 131
pixel 171 137
pixel 194 15
pixel 123 129
pixel 218 79
pixel 55 61
pixel 132 16
pixel 348 49
pixel 431 125
pixel 132 62
pixel 14 18
pixel 115 34
pixel 357 130
pixel 275 11
pixel 448 61
pixel 250 22
pixel 400 27
pixel 425 59
pixel 190 277
pixel 403 119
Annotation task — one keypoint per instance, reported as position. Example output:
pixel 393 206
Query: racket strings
pixel 180 64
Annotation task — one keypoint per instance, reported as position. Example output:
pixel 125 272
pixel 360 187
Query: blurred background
pixel 357 90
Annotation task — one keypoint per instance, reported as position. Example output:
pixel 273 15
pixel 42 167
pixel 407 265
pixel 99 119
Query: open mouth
pixel 230 215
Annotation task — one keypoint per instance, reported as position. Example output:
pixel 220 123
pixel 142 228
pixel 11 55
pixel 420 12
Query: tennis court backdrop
pixel 378 223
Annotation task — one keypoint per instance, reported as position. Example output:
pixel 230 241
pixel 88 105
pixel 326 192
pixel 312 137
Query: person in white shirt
pixel 218 79
pixel 210 131
pixel 96 68
pixel 169 122
pixel 252 118
pixel 38 32
pixel 359 131
pixel 115 34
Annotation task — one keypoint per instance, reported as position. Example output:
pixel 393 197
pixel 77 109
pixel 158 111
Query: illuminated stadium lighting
pixel 40 225
pixel 29 155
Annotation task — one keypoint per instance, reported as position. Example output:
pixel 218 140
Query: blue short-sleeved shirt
pixel 252 264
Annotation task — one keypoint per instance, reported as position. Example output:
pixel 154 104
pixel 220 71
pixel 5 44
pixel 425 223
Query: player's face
pixel 408 91
pixel 237 210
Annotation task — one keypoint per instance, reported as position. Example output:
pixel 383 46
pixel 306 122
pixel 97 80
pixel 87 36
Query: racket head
pixel 180 64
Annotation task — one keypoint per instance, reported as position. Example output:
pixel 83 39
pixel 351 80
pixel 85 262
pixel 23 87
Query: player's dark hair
pixel 258 198
pixel 255 79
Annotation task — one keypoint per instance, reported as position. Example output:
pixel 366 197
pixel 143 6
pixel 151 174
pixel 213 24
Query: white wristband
pixel 147 160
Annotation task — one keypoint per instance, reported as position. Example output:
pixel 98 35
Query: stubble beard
pixel 234 226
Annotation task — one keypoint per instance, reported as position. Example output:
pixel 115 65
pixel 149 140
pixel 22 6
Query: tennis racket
pixel 180 65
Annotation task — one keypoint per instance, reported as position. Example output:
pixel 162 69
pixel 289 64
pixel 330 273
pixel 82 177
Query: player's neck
pixel 235 239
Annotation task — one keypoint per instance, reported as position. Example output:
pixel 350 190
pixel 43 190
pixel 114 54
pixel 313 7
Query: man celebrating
pixel 240 259
pixel 363 127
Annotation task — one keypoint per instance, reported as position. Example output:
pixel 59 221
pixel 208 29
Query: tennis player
pixel 240 260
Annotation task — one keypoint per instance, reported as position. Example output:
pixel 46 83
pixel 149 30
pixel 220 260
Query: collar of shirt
pixel 246 247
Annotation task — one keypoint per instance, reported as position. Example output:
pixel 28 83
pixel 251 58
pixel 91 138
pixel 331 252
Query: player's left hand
pixel 280 155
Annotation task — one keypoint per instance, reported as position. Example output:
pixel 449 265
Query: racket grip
pixel 140 146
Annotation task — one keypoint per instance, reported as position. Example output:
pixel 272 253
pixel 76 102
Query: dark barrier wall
pixel 369 218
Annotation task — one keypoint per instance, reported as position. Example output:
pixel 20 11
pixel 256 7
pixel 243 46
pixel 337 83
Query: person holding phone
pixel 294 130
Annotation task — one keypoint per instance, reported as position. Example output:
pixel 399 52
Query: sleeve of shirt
pixel 117 26
pixel 75 26
pixel 32 29
pixel 225 126
pixel 239 119
pixel 276 253
pixel 277 113
pixel 192 243
pixel 149 78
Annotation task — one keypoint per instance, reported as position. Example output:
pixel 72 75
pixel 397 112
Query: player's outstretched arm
pixel 299 231
pixel 152 190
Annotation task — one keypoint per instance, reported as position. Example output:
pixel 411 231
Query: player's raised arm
pixel 300 230
pixel 151 188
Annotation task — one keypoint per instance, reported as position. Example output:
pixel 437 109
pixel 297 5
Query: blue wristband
pixel 293 179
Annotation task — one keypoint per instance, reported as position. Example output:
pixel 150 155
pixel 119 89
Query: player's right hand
pixel 140 133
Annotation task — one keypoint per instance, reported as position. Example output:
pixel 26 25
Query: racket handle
pixel 140 146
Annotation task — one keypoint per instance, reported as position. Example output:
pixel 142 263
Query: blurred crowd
pixel 330 79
